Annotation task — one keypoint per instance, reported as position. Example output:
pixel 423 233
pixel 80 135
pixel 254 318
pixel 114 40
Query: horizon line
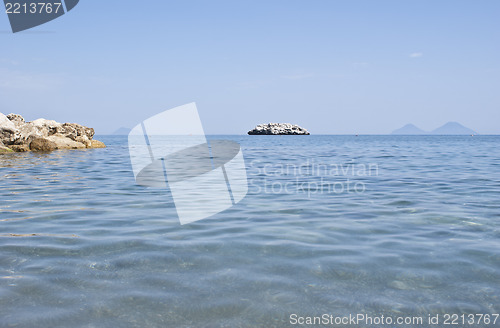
pixel 331 134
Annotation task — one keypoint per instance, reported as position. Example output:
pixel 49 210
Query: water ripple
pixel 81 245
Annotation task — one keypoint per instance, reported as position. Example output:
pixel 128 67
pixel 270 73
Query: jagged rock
pixel 84 140
pixel 72 131
pixel 16 119
pixel 45 127
pixel 44 135
pixel 278 129
pixel 22 134
pixel 6 125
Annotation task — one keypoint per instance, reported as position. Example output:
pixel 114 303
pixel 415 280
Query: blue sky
pixel 334 67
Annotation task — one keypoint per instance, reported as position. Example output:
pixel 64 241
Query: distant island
pixel 450 128
pixel 409 129
pixel 278 129
pixel 121 132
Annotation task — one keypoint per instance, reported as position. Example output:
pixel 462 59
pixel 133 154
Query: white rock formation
pixel 278 129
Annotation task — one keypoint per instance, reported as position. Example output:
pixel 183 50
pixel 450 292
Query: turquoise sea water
pixel 375 225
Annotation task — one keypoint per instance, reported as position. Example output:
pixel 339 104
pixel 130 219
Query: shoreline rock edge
pixel 17 135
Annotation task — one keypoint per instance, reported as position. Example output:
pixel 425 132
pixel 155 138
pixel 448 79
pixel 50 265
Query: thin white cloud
pixel 15 79
pixel 7 61
pixel 416 55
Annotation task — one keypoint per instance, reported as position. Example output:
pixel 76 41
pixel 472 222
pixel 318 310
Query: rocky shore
pixel 16 135
pixel 278 129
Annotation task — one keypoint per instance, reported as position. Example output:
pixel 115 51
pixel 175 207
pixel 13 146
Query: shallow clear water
pixel 380 225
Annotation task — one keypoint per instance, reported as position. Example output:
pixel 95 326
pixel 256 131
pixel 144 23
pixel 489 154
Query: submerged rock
pixel 43 135
pixel 278 129
pixel 97 144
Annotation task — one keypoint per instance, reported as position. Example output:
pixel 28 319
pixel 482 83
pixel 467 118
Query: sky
pixel 331 66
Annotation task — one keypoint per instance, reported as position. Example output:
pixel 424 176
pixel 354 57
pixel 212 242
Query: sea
pixel 335 231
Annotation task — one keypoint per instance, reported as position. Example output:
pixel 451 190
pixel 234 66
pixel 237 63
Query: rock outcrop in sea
pixel 43 135
pixel 278 129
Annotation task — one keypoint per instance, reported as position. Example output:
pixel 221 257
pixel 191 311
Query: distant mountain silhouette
pixel 453 128
pixel 450 128
pixel 121 132
pixel 409 129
